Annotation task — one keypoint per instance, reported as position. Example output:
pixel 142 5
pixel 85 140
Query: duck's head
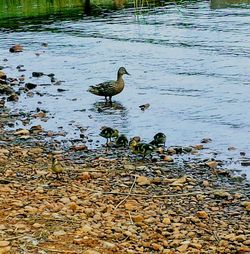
pixel 122 71
pixel 116 133
pixel 133 143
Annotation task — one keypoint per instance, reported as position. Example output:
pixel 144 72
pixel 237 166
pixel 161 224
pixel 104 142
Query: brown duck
pixel 110 88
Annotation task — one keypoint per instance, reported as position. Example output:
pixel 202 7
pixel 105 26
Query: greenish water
pixel 190 61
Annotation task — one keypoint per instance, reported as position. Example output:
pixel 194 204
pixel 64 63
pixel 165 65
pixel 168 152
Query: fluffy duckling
pixel 159 139
pixel 109 133
pixel 121 141
pixel 110 88
pixel 143 149
pixel 56 167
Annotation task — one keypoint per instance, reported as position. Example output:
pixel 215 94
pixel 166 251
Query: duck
pixel 108 89
pixel 159 139
pixel 143 149
pixel 56 167
pixel 109 133
pixel 122 140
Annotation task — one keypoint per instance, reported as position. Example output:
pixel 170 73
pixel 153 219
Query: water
pixel 190 62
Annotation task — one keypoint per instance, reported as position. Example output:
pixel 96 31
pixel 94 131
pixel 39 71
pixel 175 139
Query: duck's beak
pixel 127 73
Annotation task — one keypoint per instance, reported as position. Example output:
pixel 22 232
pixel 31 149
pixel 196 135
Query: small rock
pixel 206 140
pixel 16 48
pixel 30 86
pixel 65 200
pixel 131 205
pixel 13 97
pixel 144 106
pixel 205 183
pixel 108 245
pixel 2 75
pixel 166 221
pixel 138 218
pixel 198 147
pixel 245 163
pixel 212 164
pixel 202 215
pixel 221 194
pixel 85 176
pixel 22 132
pixel 37 74
pixel 38 225
pixel 4 243
pixel 59 233
pixel 143 180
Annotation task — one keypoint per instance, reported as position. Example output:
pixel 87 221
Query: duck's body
pixel 159 139
pixel 121 141
pixel 143 149
pixel 56 167
pixel 110 88
pixel 109 133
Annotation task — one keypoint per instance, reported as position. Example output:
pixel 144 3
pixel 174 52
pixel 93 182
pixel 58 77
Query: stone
pixel 16 48
pixel 143 180
pixel 30 86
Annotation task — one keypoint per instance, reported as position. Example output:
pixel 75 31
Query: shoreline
pixel 107 201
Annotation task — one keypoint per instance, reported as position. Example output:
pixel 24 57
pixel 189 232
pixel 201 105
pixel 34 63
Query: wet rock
pixel 13 97
pixel 16 48
pixel 222 194
pixel 30 86
pixel 37 74
pixel 79 148
pixel 212 164
pixel 245 163
pixel 36 129
pixel 2 103
pixel 3 75
pixel 60 90
pixel 144 106
pixel 22 132
pixel 206 140
pixel 44 44
pixel 6 89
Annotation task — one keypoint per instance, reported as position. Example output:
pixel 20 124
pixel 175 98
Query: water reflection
pixel 107 108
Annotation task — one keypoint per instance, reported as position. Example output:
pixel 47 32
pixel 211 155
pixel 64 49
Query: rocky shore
pixel 110 201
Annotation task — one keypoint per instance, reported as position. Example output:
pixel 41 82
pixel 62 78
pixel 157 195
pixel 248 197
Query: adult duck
pixel 110 88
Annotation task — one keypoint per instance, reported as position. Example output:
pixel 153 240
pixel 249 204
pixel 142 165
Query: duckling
pixel 159 139
pixel 109 133
pixel 110 88
pixel 143 149
pixel 56 167
pixel 121 141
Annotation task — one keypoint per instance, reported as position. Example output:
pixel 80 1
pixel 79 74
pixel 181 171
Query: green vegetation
pixel 34 8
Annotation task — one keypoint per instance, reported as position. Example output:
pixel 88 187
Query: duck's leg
pixel 110 100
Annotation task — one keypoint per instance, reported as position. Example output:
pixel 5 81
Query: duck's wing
pixel 102 88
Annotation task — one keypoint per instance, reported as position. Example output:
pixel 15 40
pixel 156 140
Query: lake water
pixel 190 62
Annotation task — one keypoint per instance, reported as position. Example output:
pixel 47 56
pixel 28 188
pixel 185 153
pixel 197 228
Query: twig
pixel 15 237
pixel 131 188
